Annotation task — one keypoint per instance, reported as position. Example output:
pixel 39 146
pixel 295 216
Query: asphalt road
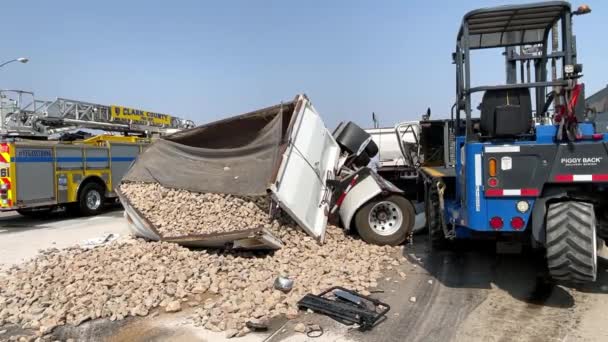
pixel 21 237
pixel 471 293
pixel 467 293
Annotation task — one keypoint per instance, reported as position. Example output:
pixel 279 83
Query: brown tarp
pixel 238 155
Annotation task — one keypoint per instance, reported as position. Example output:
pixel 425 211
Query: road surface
pixel 21 237
pixel 468 293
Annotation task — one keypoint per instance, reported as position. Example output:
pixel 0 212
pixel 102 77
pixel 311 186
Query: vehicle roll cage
pixel 514 26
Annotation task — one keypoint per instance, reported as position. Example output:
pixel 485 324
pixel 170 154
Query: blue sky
pixel 205 60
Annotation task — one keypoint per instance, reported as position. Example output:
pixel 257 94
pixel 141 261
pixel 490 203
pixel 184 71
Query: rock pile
pixel 228 288
pixel 178 213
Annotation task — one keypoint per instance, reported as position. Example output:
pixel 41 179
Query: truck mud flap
pixel 258 238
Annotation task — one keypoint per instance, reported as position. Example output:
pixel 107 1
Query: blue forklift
pixel 530 165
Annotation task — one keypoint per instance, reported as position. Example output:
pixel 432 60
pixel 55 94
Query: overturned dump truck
pixel 284 152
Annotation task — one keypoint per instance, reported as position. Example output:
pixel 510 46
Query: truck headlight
pixel 523 206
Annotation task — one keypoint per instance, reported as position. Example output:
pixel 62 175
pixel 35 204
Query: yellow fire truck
pixel 39 174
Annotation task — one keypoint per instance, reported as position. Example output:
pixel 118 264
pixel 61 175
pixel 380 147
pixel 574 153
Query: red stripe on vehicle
pixel 2 159
pixel 530 192
pixel 526 192
pixel 344 193
pixel 7 181
pixel 341 199
pixel 600 178
pixel 494 192
pixel 350 186
pixel 564 178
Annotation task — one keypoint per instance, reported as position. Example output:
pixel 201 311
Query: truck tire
pixel 437 238
pixel 91 199
pixel 385 221
pixel 571 241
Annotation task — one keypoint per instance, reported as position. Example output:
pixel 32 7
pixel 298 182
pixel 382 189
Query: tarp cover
pixel 238 155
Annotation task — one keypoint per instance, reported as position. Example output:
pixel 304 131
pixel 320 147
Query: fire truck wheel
pixel 571 241
pixel 91 199
pixel 385 221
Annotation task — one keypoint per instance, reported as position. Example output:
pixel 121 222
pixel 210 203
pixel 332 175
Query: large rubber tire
pixel 91 199
pixel 402 214
pixel 433 214
pixel 571 241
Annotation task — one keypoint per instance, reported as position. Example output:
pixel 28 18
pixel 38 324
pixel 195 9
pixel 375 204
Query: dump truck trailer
pixel 38 176
pixel 312 174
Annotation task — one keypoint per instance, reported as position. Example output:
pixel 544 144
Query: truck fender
pixel 420 221
pixel 92 178
pixel 358 195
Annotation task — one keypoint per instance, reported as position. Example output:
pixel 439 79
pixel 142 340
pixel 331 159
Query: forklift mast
pixel 524 33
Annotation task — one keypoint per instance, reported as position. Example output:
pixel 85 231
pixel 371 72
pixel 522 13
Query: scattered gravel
pixel 177 213
pixel 300 327
pixel 228 288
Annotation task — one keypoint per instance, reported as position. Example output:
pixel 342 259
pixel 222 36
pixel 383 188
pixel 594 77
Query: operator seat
pixel 506 113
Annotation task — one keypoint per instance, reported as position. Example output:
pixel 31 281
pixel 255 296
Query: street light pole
pixel 20 59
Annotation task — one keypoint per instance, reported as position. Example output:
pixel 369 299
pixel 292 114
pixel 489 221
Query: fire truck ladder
pixel 38 118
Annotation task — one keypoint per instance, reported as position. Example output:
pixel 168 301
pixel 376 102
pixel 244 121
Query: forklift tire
pixel 571 241
pixel 91 199
pixel 386 220
pixel 437 238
